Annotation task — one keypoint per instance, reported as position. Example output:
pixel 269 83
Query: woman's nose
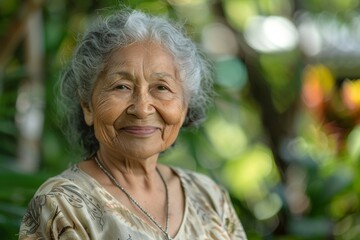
pixel 141 105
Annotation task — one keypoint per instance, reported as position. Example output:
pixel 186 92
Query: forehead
pixel 146 53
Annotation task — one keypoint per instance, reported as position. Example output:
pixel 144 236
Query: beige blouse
pixel 73 205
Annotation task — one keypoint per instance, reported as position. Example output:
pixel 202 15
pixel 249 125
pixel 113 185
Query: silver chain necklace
pixel 133 200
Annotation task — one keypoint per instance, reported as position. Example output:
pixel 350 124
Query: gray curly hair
pixel 118 30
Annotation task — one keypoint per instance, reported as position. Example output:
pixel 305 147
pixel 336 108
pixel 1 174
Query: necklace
pixel 133 200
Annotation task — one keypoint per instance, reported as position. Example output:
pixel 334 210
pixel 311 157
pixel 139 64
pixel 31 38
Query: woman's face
pixel 138 103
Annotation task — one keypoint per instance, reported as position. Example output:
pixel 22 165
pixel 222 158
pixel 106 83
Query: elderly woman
pixel 134 81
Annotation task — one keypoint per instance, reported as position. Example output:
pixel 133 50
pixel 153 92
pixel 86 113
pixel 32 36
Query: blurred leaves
pixel 16 192
pixel 231 73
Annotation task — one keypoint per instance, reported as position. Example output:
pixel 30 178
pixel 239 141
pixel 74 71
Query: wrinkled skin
pixel 138 104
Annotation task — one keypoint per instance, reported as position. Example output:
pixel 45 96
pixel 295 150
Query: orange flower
pixel 351 95
pixel 318 85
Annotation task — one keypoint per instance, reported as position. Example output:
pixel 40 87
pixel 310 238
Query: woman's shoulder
pixel 70 189
pixel 59 203
pixel 195 178
pixel 69 178
pixel 199 184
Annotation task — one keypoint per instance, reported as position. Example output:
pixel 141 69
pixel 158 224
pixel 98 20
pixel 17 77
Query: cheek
pixel 105 115
pixel 107 109
pixel 174 119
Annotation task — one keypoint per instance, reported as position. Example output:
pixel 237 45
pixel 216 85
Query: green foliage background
pixel 283 170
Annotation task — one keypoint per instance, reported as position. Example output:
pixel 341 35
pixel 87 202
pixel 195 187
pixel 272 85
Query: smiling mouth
pixel 139 130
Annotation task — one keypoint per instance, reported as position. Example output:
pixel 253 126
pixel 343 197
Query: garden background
pixel 282 137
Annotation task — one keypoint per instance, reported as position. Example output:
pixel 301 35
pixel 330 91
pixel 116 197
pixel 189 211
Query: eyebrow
pixel 155 75
pixel 163 75
pixel 123 73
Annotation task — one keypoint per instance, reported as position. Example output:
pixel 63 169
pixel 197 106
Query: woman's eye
pixel 162 88
pixel 121 87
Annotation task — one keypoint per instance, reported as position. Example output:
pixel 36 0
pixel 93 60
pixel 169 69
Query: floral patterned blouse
pixel 73 205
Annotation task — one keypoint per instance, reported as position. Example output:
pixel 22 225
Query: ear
pixel 88 113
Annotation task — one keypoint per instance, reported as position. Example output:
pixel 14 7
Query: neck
pixel 132 172
pixel 164 229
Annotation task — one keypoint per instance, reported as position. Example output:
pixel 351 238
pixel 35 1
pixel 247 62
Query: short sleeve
pixel 231 221
pixel 64 212
pixel 210 208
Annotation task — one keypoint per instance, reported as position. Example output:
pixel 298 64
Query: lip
pixel 140 130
